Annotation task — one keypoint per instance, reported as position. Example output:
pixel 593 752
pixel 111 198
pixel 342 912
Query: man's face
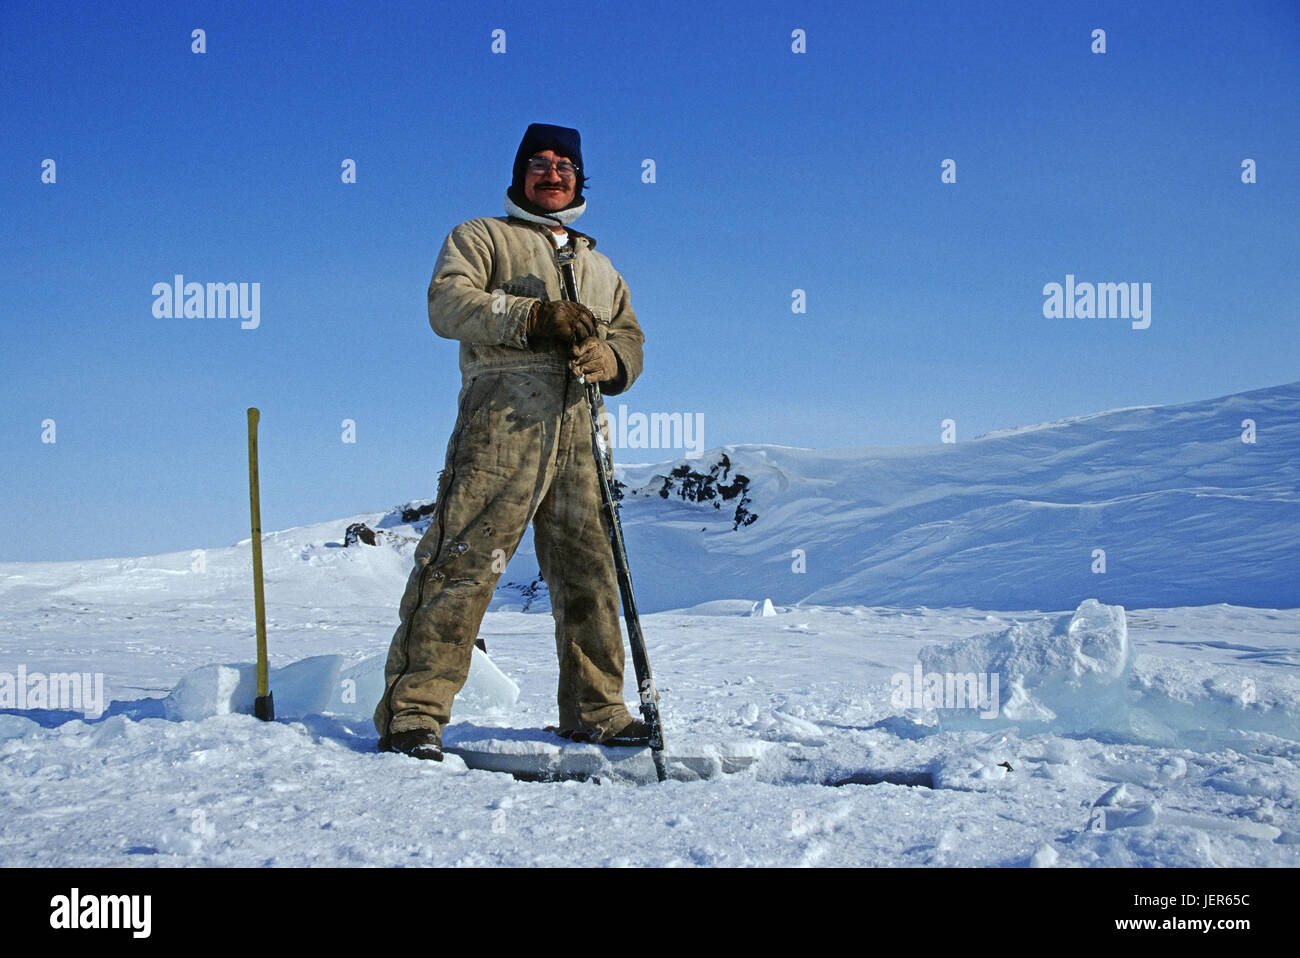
pixel 549 190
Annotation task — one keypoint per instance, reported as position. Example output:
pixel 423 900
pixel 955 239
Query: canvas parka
pixel 489 274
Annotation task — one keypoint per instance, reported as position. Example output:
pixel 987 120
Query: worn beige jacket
pixel 489 274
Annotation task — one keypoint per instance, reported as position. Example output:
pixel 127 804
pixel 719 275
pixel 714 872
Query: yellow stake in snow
pixel 264 704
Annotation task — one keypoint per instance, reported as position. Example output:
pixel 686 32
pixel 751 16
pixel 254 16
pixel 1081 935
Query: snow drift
pixel 1079 674
pixel 1147 507
pixel 1064 672
pixel 321 685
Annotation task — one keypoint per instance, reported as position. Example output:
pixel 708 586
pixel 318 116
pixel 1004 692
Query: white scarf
pixel 563 217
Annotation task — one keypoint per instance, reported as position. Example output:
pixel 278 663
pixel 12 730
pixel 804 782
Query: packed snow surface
pixel 841 773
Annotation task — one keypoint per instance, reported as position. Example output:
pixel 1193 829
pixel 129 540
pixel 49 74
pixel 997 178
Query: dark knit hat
pixel 541 137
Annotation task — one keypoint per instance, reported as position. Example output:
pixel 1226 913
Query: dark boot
pixel 635 734
pixel 417 743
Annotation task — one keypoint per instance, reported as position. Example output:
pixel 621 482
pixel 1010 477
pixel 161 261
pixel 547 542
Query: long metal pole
pixel 646 689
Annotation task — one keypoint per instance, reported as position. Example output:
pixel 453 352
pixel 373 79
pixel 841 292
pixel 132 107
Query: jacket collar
pixel 564 217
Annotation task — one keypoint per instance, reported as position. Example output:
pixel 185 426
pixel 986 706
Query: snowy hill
pixel 1186 512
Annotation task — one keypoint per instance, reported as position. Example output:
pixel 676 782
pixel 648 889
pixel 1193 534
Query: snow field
pixel 809 688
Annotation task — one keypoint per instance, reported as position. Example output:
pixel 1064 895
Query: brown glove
pixel 593 360
pixel 559 322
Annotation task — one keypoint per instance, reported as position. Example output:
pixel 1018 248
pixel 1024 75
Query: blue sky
pixel 775 171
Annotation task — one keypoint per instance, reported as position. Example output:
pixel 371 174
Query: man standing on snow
pixel 520 452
